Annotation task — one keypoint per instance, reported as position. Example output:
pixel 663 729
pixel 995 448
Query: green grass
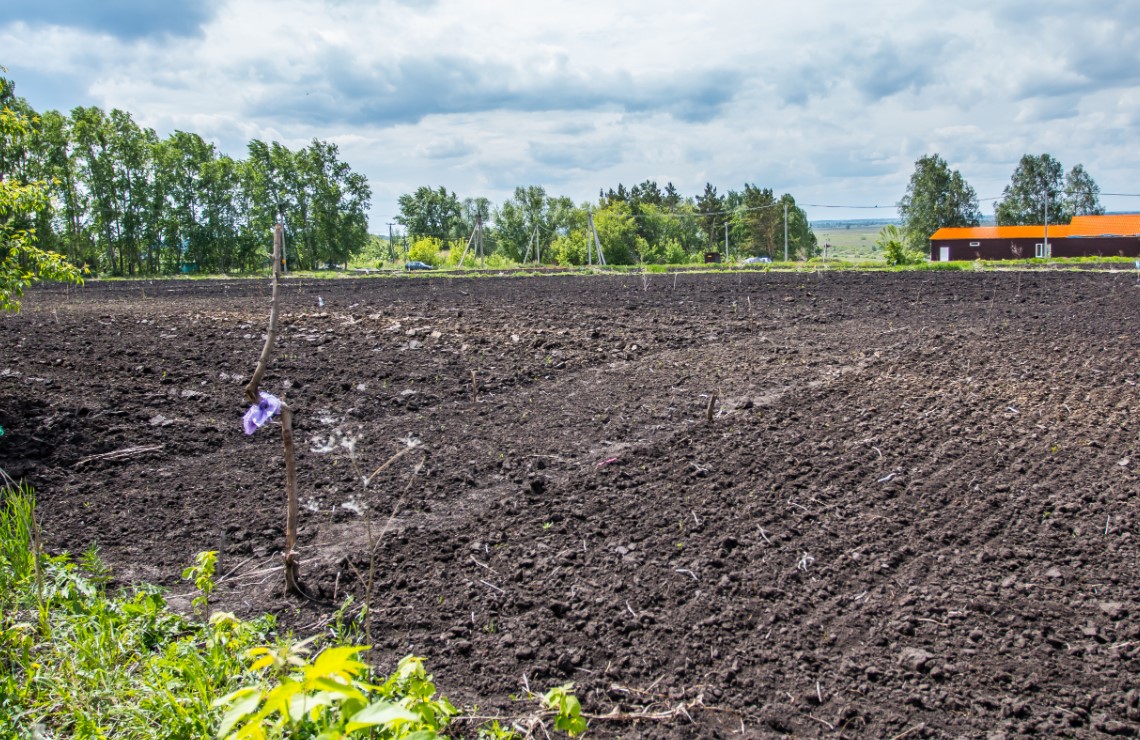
pixel 78 662
pixel 856 244
pixel 842 258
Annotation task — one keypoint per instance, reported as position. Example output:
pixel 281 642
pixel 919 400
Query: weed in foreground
pixel 77 661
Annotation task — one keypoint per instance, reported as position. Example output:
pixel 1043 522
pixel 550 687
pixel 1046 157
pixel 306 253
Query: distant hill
pixel 858 223
pixel 871 223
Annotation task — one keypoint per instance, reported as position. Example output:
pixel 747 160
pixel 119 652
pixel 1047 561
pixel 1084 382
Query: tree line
pixel 1039 189
pixel 123 201
pixel 643 223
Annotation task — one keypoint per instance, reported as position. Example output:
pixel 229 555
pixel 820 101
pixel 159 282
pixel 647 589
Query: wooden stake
pixel 292 568
pixel 709 410
pixel 474 388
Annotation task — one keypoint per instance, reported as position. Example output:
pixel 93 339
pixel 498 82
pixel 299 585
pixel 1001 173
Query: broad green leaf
pixel 241 708
pixel 233 695
pixel 336 661
pixel 342 690
pixel 381 713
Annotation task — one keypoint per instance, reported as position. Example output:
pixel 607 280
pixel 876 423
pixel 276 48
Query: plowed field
pixel 912 512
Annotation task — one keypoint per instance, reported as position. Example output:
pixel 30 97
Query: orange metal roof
pixel 1127 224
pixel 999 232
pixel 1124 224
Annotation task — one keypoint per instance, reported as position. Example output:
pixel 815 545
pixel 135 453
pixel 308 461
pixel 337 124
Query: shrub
pixel 426 250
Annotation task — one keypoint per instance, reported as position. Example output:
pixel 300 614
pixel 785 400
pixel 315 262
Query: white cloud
pixel 829 100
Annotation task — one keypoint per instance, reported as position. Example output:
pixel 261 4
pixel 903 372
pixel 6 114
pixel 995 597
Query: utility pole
pixel 785 232
pixel 1045 199
pixel 592 241
pixel 391 247
pixel 726 241
pixel 479 238
pixel 589 237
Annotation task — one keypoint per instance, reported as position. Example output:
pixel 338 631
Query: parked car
pixel 417 265
pixel 757 260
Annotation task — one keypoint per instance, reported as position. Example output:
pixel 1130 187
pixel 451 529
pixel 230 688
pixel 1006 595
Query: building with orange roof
pixel 1116 235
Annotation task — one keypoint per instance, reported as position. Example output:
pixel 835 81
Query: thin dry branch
pixel 254 384
pixel 292 567
pixel 123 454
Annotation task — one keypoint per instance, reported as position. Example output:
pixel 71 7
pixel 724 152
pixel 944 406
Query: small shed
pixel 1116 235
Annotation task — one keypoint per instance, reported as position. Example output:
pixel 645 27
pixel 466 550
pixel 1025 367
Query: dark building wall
pixel 1089 246
pixel 988 249
pixel 1005 249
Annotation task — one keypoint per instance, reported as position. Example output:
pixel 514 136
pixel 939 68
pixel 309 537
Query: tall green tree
pixel 339 200
pixel 131 150
pixel 617 231
pixel 57 149
pixel 759 222
pixel 1035 189
pixel 22 263
pixel 802 242
pixel 428 212
pixel 936 196
pixel 1082 194
pixel 530 219
pixel 96 162
pixel 711 208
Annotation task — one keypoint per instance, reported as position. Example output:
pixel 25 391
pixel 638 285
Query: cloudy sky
pixel 830 100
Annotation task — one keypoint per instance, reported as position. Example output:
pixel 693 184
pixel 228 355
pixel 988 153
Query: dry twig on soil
pixel 123 454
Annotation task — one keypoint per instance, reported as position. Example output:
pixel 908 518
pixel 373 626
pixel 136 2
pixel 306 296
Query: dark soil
pixel 913 513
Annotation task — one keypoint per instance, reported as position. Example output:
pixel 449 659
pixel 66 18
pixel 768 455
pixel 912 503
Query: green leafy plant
pixel 76 661
pixel 495 731
pixel 22 263
pixel 567 709
pixel 332 697
pixel 202 574
pixel 427 250
pixel 895 251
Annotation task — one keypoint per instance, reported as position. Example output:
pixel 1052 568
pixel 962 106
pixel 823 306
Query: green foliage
pixel 570 249
pixel 495 731
pixel 122 201
pixel 499 261
pixel 427 250
pixel 895 251
pixel 1082 195
pixel 17 558
pixel 617 231
pixel 455 253
pixel 568 710
pixel 431 213
pixel 675 253
pixel 202 574
pixel 333 696
pixel 530 219
pixel 1035 189
pixel 712 217
pixel 78 662
pixel 936 196
pixel 22 263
